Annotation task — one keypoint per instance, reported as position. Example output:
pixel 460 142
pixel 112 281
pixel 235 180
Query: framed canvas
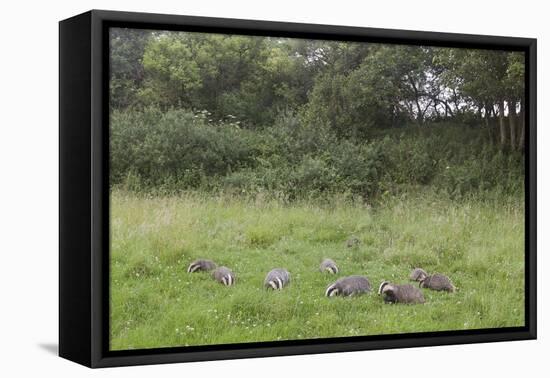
pixel 234 188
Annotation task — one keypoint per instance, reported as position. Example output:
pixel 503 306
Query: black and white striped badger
pixel 438 282
pixel 277 278
pixel 349 286
pixel 201 265
pixel 400 293
pixel 418 274
pixel 328 265
pixel 224 275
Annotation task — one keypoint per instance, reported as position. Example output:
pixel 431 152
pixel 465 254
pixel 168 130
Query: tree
pixel 126 65
pixel 515 86
pixel 390 87
pixel 481 77
pixel 172 72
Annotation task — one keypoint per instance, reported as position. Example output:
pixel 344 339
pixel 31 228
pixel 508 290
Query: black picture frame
pixel 84 191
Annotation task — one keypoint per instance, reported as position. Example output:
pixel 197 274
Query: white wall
pixel 28 193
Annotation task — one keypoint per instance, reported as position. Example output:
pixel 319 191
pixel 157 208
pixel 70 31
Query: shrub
pixel 177 146
pixel 180 149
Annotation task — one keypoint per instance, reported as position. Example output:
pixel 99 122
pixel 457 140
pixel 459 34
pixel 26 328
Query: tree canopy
pixel 352 88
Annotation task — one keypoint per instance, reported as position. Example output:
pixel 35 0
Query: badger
pixel 201 265
pixel 353 242
pixel 328 265
pixel 349 286
pixel 437 282
pixel 400 293
pixel 224 275
pixel 418 274
pixel 277 278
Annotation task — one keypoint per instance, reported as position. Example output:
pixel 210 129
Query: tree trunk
pixel 491 121
pixel 448 110
pixel 512 120
pixel 501 123
pixel 484 116
pixel 420 115
pixel 521 142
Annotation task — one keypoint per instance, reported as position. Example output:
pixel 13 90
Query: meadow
pixel 154 302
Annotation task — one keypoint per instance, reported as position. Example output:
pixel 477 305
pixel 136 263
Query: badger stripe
pixel 382 287
pixel 224 280
pixel 193 268
pixel 334 292
pixel 273 285
pixel 229 280
pixel 329 290
pixel 334 269
pixel 280 283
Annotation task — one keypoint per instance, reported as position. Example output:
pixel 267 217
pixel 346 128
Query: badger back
pixel 328 265
pixel 409 294
pixel 418 274
pixel 201 265
pixel 347 286
pixel 438 282
pixel 224 275
pixel 277 279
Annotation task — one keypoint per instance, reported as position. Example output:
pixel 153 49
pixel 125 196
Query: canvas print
pixel 273 189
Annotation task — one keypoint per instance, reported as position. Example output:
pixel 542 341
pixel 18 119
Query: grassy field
pixel 155 303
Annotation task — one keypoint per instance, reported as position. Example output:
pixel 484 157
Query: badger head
pixel 227 280
pixel 332 291
pixel 193 267
pixel 386 288
pixel 276 284
pixel 422 282
pixel 332 269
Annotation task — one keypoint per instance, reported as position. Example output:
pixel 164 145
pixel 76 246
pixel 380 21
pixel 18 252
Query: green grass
pixel 155 303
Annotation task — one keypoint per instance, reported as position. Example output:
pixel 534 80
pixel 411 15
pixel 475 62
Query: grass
pixel 155 303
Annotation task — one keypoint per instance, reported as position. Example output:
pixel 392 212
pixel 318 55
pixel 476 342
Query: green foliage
pixel 484 76
pixel 176 150
pixel 248 77
pixel 172 72
pixel 127 47
pixel 353 89
pixel 182 150
pixel 385 90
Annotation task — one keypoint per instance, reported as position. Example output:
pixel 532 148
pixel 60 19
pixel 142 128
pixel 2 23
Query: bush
pixel 178 147
pixel 180 150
